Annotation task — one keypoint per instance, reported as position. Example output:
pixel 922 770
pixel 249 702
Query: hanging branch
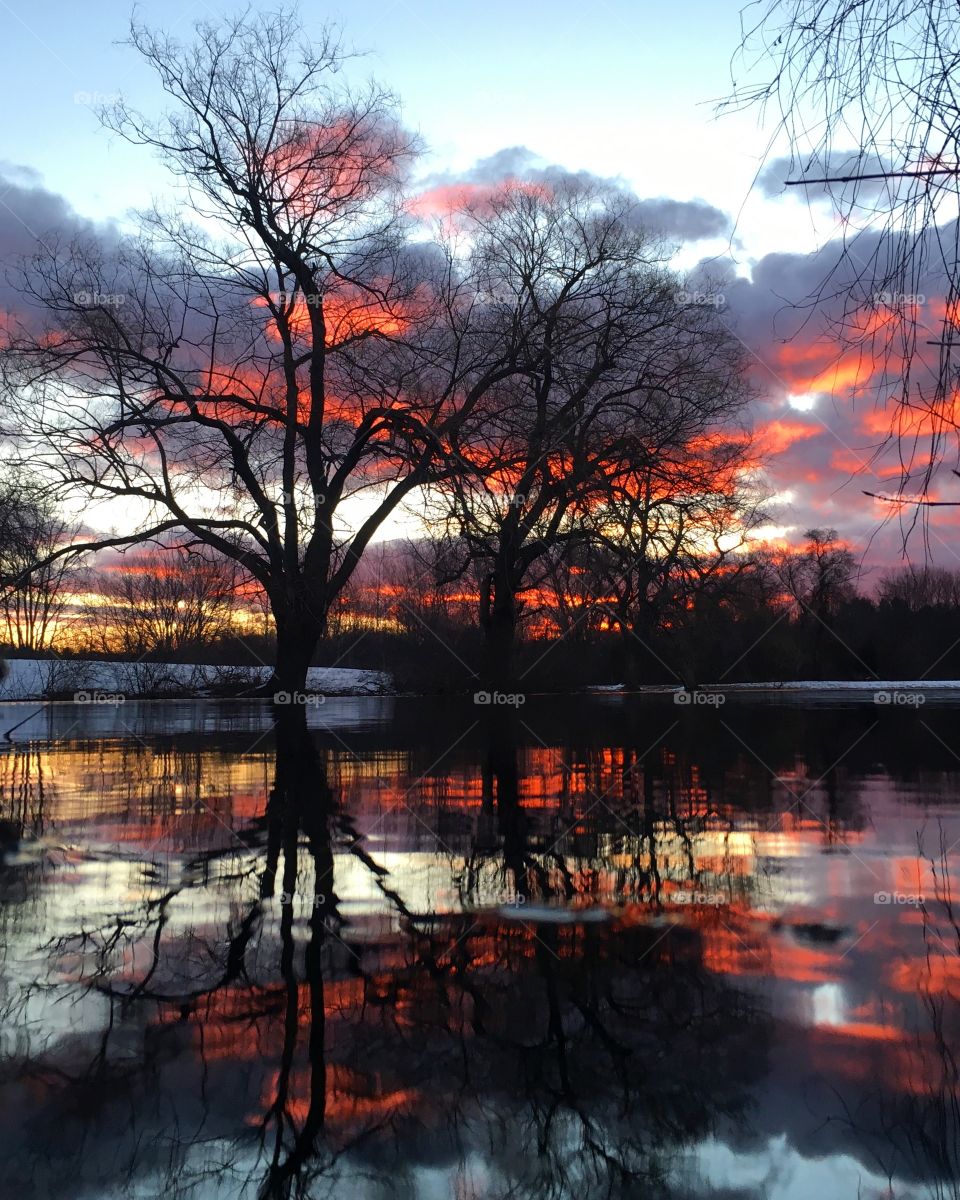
pixel 920 503
pixel 923 173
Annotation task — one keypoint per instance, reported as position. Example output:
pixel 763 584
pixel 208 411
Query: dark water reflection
pixel 596 947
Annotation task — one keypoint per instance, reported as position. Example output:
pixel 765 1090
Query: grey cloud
pixel 33 220
pixel 772 179
pixel 28 211
pixel 689 220
pixel 511 161
pixel 786 313
pixel 684 220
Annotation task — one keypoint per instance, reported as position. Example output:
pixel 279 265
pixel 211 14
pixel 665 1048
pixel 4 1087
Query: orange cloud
pixel 780 434
pixel 823 365
pixel 344 318
pixel 448 198
pixel 341 163
pixel 849 461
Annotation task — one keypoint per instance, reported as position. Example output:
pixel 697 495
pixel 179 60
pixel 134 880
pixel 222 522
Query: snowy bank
pixel 35 679
pixel 850 688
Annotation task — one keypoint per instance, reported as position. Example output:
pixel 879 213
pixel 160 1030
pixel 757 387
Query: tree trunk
pixel 297 637
pixel 300 802
pixel 639 629
pixel 631 665
pixel 498 619
pixel 503 765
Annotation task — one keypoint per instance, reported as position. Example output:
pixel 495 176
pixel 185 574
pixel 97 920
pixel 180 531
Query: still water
pixel 596 947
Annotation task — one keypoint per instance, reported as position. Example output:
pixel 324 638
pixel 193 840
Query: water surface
pixel 593 947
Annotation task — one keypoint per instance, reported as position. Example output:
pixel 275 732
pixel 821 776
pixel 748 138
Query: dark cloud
pixel 772 180
pixel 511 162
pixel 825 413
pixel 682 220
pixel 33 220
pixel 29 213
pixel 688 220
pixel 782 313
pixel 819 442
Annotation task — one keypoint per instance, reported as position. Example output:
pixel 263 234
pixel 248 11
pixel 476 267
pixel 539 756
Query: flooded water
pixel 596 947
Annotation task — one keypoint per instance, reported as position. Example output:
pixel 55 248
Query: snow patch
pixel 35 679
pixel 865 687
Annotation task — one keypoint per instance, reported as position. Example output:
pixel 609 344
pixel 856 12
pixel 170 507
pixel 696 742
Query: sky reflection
pixel 582 954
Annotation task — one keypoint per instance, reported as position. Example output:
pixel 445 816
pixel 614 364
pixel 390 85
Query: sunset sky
pixel 615 89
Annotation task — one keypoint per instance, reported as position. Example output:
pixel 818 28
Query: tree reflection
pixel 278 1011
pixel 911 1128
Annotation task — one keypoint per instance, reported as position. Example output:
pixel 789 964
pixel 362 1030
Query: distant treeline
pixel 909 630
pixel 781 614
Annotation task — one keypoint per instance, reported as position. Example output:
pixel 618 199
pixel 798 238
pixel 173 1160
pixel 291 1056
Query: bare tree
pixel 573 601
pixel 821 577
pixel 865 93
pixel 670 536
pixel 819 580
pixel 165 602
pixel 916 589
pixel 617 366
pixel 33 585
pixel 262 381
